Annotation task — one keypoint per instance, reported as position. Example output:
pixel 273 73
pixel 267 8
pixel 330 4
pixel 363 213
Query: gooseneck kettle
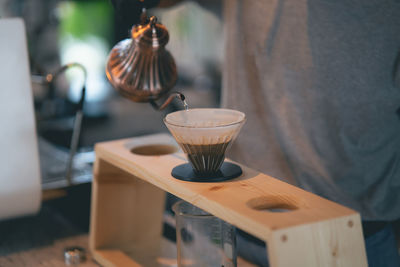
pixel 140 68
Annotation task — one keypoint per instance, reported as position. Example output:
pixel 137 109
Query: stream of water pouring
pixel 185 105
pixel 183 99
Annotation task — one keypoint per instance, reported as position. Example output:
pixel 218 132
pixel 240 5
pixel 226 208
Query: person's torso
pixel 316 81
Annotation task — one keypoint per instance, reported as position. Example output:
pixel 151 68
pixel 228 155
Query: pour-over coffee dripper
pixel 204 135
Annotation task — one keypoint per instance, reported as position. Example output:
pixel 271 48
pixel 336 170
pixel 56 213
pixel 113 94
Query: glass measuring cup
pixel 203 239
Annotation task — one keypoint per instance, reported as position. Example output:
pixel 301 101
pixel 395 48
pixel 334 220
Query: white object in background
pixel 20 186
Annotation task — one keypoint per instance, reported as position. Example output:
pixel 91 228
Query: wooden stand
pixel 128 203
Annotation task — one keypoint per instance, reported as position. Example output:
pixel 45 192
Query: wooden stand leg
pixel 126 216
pixel 331 243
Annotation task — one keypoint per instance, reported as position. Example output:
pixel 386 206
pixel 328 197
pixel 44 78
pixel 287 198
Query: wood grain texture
pixel 318 226
pixel 337 242
pixel 48 256
pixel 126 215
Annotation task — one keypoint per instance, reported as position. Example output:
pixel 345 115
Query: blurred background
pixel 84 32
pixel 60 32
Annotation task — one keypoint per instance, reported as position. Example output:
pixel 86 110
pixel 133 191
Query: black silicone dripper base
pixel 227 171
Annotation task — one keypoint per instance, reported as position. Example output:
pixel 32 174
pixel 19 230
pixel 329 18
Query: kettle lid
pixel 151 34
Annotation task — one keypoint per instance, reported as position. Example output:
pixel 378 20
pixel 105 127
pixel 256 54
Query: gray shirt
pixel 316 80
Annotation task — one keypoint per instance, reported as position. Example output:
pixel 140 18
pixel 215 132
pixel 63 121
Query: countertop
pixel 63 221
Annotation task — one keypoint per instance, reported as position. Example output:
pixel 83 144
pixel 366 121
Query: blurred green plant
pixel 83 18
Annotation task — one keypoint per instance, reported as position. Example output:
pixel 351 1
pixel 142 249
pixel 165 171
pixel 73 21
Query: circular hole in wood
pixel 154 150
pixel 279 203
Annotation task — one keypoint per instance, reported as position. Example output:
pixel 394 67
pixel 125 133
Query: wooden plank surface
pixel 232 200
pixel 336 242
pixel 48 256
pixel 51 256
pixel 126 215
pixel 312 232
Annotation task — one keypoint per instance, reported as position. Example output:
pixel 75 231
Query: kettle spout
pixel 168 101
